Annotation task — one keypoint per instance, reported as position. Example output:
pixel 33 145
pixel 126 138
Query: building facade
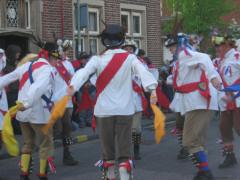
pixel 19 19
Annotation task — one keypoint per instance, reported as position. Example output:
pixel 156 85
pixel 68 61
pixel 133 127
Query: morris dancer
pixel 139 101
pixel 114 107
pixel 192 76
pixel 63 74
pixel 35 90
pixel 229 69
pixel 3 96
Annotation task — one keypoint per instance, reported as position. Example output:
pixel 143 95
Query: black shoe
pixel 229 161
pixel 204 175
pixel 24 177
pixel 183 154
pixel 137 152
pixel 68 160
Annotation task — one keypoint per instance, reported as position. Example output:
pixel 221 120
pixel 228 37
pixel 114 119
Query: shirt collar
pixel 114 51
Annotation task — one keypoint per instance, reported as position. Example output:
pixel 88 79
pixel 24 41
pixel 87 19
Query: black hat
pixel 170 40
pixel 47 48
pixel 113 36
pixel 52 49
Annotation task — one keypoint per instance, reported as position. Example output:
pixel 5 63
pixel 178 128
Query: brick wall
pixel 52 21
pixel 154 42
pixel 112 11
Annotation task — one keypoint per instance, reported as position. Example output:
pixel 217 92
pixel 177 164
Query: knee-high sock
pixel 25 163
pixel 201 161
pixel 43 167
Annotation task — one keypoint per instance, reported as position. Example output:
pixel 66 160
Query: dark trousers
pixel 115 134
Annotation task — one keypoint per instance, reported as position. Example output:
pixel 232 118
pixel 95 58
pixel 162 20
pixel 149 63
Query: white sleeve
pixel 170 80
pixel 82 75
pixel 93 80
pixel 149 83
pixel 42 84
pixel 9 78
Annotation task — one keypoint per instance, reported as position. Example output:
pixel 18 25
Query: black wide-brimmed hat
pixel 47 48
pixel 171 40
pixel 112 36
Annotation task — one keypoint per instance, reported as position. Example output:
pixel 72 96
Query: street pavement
pixel 158 162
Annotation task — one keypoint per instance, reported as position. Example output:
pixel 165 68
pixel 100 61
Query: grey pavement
pixel 158 163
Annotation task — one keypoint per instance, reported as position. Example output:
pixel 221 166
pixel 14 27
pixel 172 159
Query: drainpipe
pixel 62 19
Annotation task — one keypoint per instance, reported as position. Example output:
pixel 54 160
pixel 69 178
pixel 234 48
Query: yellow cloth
pixel 159 123
pixel 43 167
pixel 27 58
pixel 57 112
pixel 25 161
pixel 9 140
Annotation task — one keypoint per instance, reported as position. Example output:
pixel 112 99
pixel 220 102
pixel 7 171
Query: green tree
pixel 197 16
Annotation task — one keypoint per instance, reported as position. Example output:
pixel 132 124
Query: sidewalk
pixel 82 135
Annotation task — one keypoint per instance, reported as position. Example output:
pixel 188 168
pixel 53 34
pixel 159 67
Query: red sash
pixel 106 76
pixel 202 86
pixel 25 76
pixel 65 75
pixel 139 91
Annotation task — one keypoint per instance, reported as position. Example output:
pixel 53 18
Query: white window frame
pixel 82 40
pixel 95 10
pixel 127 13
pixel 90 38
pixel 140 21
pixel 29 14
pixel 140 42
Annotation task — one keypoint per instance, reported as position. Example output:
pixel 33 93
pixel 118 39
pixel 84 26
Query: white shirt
pixel 30 94
pixel 190 70
pixel 117 97
pixel 229 69
pixel 60 86
pixel 3 96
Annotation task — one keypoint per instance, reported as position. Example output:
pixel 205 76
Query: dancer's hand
pixel 20 106
pixel 70 91
pixel 216 83
pixel 153 97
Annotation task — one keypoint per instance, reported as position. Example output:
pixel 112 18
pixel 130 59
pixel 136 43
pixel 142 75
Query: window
pixel 93 46
pixel 12 13
pixel 93 21
pixel 136 23
pixel 132 21
pixel 125 21
pixel 27 14
pixel 81 47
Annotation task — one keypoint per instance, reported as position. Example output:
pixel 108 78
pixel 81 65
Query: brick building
pixel 20 18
